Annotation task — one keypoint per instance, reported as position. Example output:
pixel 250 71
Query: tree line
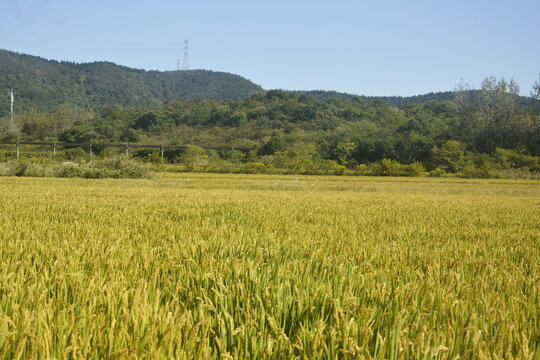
pixel 483 136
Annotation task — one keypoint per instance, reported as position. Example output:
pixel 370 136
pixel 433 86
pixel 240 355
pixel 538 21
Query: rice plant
pixel 252 266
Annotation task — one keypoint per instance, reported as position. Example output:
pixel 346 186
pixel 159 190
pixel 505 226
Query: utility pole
pixel 12 128
pixel 11 123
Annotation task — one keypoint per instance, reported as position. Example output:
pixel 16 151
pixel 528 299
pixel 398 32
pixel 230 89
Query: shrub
pixel 193 157
pixel 154 158
pixel 414 169
pixel 450 156
pixel 387 167
pixel 485 171
pixel 92 173
pixel 438 172
pixel 515 159
pixel 118 167
pixel 68 169
pixel 233 156
pixel 25 168
pixel 75 154
pixel 257 168
pixel 272 146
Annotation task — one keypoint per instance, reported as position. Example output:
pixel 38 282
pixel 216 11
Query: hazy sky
pixel 361 47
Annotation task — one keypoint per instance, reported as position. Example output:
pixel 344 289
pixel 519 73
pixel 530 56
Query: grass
pixel 255 266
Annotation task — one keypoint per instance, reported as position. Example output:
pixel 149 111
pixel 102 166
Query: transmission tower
pixel 185 63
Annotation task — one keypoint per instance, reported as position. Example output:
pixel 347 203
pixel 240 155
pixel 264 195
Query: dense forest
pixel 492 131
pixel 45 85
pixel 290 130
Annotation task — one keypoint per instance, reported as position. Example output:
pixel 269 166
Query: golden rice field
pixel 252 266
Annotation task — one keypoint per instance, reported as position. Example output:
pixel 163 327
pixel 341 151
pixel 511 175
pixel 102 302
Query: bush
pixel 438 172
pixel 117 167
pixel 91 173
pixel 257 168
pixel 233 156
pixel 68 169
pixel 23 168
pixel 154 158
pixel 148 155
pixel 414 169
pixel 272 146
pixel 75 154
pixel 193 157
pixel 450 156
pixel 515 159
pixel 485 171
pixel 389 167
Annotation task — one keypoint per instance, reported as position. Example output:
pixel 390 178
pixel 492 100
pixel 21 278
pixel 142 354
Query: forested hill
pixel 44 84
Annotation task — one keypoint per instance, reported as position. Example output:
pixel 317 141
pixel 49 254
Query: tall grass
pixel 240 266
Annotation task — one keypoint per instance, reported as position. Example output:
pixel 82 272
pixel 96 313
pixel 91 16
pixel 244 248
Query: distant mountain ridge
pixel 44 84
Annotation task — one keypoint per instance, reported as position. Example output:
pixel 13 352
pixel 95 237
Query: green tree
pixel 535 93
pixel 344 152
pixel 499 113
pixel 193 157
pixel 273 145
pixel 464 111
pixel 450 156
pixel 237 118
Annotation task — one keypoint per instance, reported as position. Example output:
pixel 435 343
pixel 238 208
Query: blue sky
pixel 361 47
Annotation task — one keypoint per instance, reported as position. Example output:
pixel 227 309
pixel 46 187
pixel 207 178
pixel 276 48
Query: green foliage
pixel 193 157
pixel 24 168
pixel 149 155
pixel 303 160
pixel 437 172
pixel 475 131
pixel 68 169
pixel 112 167
pixel 43 84
pixel 75 154
pixel 119 167
pixel 450 156
pixel 272 146
pixel 388 167
pixel 515 159
pixel 154 157
pixel 234 156
pixel 344 151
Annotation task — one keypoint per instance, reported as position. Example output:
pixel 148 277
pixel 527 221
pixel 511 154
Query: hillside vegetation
pixel 302 134
pixel 476 133
pixel 404 101
pixel 44 85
